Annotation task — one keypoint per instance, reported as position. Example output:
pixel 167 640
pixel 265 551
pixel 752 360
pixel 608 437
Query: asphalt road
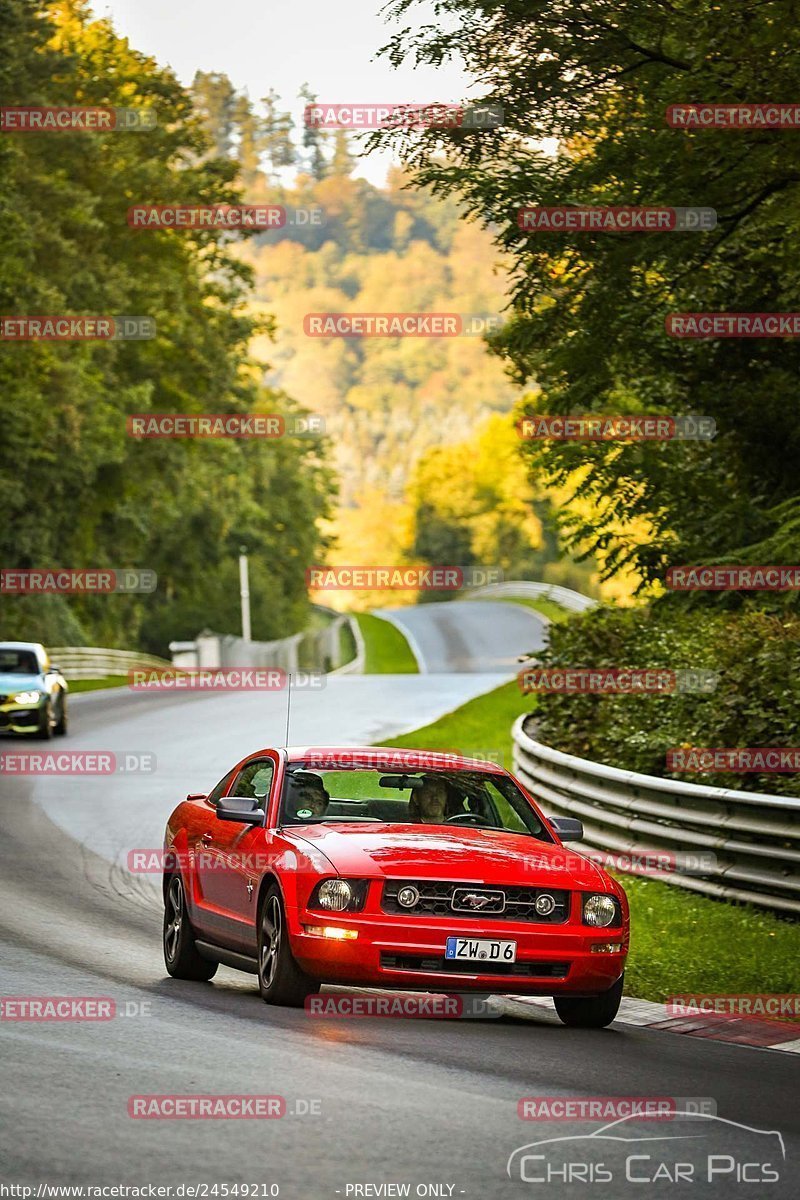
pixel 469 635
pixel 370 1102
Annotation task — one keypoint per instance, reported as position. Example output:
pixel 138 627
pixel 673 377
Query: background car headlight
pixel 600 910
pixel 339 895
pixel 27 697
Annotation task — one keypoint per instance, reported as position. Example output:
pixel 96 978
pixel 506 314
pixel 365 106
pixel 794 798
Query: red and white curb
pixel 741 1031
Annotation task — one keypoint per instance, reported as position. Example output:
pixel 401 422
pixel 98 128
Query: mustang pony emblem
pixel 477 901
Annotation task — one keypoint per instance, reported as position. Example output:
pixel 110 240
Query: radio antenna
pixel 288 707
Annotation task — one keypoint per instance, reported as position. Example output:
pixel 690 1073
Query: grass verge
pixel 546 608
pixel 94 685
pixel 680 942
pixel 386 650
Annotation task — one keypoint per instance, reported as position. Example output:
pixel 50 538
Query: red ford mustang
pixel 389 868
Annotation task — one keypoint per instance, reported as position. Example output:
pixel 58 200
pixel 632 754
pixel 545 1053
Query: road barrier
pixel 98 662
pixel 748 842
pixel 317 649
pixel 574 601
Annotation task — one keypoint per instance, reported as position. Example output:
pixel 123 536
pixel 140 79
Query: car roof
pixel 384 758
pixel 37 647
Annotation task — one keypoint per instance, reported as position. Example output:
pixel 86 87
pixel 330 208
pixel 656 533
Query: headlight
pixel 27 697
pixel 339 895
pixel 599 910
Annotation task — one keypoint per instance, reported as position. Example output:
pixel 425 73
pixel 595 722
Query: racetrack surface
pixel 469 635
pixel 417 1102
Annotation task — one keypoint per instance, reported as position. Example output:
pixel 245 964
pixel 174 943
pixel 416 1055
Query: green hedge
pixel 756 702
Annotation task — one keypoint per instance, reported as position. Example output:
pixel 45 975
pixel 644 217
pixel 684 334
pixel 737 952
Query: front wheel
pixel 590 1012
pixel 181 955
pixel 45 727
pixel 280 979
pixel 61 723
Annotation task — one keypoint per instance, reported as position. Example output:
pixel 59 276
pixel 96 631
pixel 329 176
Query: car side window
pixel 255 780
pixel 214 795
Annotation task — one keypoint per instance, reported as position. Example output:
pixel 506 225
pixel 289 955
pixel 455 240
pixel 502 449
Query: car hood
pixel 477 856
pixel 20 683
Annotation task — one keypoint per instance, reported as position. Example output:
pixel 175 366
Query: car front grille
pixel 443 899
pixel 445 966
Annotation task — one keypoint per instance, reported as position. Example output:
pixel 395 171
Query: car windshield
pixel 17 662
pixel 469 799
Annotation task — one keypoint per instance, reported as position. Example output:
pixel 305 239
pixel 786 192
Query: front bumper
pixel 21 718
pixel 392 952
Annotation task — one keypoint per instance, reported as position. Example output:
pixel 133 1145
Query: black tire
pixel 45 727
pixel 181 956
pixel 62 723
pixel 280 979
pixel 590 1012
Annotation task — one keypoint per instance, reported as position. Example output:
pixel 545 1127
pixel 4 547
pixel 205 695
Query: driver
pixel 308 797
pixel 428 803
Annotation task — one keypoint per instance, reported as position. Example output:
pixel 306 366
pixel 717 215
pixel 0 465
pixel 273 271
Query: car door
pixel 232 859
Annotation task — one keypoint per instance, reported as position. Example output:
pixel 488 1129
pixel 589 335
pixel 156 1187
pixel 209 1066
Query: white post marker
pixel 244 593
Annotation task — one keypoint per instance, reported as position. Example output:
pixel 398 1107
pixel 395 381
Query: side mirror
pixel 240 808
pixel 196 796
pixel 568 828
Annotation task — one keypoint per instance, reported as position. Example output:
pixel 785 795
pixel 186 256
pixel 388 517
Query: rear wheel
pixel 590 1012
pixel 181 956
pixel 280 979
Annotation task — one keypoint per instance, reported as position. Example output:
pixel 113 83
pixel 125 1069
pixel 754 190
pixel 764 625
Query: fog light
pixel 407 897
pixel 607 948
pixel 332 932
pixel 544 904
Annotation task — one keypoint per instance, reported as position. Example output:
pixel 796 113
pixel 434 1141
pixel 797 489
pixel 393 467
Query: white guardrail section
pixel 745 845
pixel 574 601
pixel 98 662
pixel 214 651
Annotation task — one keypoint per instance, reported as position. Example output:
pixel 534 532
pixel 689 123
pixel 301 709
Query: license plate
pixel 480 950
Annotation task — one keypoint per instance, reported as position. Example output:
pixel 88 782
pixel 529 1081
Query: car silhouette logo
pixel 464 900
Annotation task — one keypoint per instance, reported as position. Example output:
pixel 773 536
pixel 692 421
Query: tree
pixel 215 99
pixel 313 140
pixel 589 309
pixel 79 492
pixel 279 149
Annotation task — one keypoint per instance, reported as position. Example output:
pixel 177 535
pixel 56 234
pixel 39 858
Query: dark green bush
pixel 756 702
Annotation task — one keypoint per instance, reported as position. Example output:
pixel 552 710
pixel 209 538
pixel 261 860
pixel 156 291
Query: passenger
pixel 308 798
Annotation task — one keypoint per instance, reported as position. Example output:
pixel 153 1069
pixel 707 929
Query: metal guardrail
pixel 98 662
pixel 574 601
pixel 752 841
